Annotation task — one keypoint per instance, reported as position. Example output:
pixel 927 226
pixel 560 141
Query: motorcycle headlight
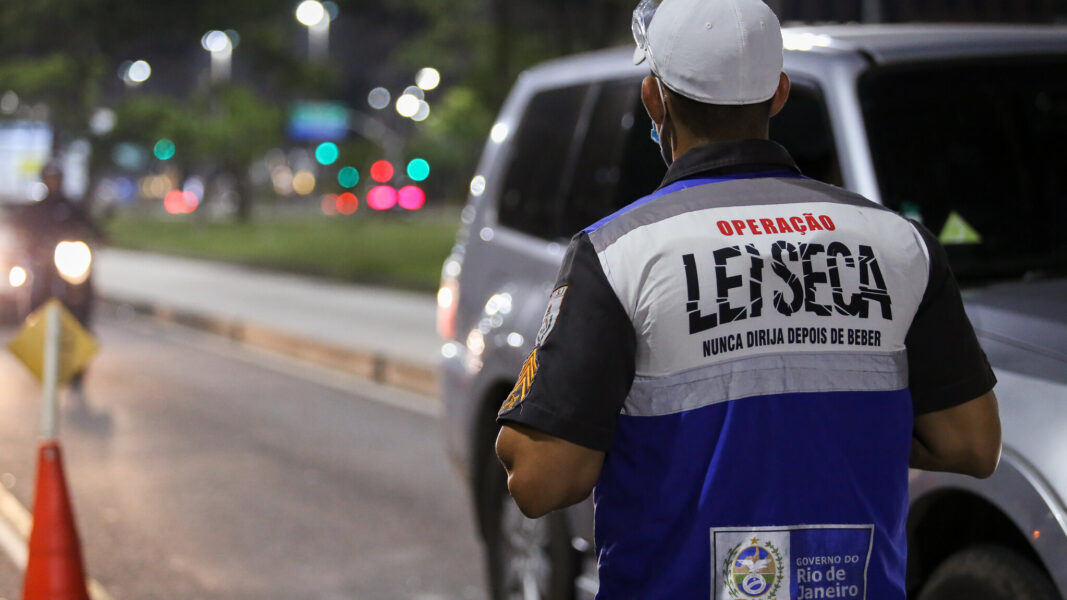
pixel 73 260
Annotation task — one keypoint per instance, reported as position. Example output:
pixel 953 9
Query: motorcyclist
pixel 44 224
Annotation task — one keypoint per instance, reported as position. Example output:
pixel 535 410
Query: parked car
pixel 960 127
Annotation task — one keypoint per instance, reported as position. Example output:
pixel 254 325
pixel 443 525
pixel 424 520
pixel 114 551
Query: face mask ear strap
pixel 655 134
pixel 662 99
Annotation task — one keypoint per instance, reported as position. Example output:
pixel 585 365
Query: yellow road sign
pixel 76 345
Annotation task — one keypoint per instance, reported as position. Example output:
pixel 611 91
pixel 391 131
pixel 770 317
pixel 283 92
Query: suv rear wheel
pixel 988 572
pixel 527 559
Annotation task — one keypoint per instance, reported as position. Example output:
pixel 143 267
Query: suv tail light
pixel 447 302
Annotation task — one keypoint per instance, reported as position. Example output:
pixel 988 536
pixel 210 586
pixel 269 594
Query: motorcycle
pixel 38 270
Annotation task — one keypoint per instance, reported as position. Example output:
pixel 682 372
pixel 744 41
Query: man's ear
pixel 780 95
pixel 651 99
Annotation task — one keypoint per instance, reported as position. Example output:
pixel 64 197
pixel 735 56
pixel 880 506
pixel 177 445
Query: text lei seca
pixel 800 271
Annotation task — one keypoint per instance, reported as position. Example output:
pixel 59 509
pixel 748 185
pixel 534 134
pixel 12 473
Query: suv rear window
pixel 803 127
pixel 618 163
pixel 580 154
pixel 975 151
pixel 538 158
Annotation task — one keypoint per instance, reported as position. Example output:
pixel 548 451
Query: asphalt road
pixel 203 470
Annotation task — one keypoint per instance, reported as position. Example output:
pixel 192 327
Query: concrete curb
pixel 375 366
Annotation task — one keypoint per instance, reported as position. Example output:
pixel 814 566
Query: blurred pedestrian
pixel 745 362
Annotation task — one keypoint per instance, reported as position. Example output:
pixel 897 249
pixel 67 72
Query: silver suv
pixel 961 127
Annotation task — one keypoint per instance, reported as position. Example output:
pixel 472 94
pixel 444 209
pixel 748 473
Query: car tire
pixel 527 559
pixel 989 572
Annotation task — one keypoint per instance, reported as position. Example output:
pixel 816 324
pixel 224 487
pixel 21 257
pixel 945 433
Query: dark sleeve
pixel 946 366
pixel 580 370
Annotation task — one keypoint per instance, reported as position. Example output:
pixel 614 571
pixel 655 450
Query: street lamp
pixel 313 15
pixel 221 48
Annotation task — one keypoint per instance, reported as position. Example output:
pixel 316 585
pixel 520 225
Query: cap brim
pixel 639 55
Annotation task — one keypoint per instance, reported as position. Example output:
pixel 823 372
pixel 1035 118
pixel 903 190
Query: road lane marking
pixel 15 525
pixel 12 543
pixel 292 367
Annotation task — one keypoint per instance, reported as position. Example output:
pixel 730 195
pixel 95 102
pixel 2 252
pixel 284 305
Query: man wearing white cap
pixel 745 362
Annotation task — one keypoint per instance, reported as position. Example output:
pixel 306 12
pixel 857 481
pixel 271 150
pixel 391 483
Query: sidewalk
pixel 376 333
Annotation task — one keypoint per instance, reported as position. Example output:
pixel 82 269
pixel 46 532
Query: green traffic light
pixel 418 169
pixel 327 153
pixel 164 149
pixel 348 177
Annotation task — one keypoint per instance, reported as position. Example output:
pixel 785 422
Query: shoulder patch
pixel 551 313
pixel 522 385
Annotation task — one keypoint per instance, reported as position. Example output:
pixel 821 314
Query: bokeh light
pixel 378 98
pixel 347 203
pixel 332 10
pixel 477 185
pixel 195 184
pixel 177 202
pixel 407 105
pixel 499 132
pixel 216 41
pixel 381 171
pixel 303 182
pixel 156 186
pixel 129 156
pixel 326 153
pixel 281 178
pixel 235 38
pixel 428 78
pixel 411 197
pixel 422 113
pixel 139 71
pixel 418 169
pixel 382 197
pixel 38 191
pixel 348 177
pixel 310 12
pixel 164 149
pixel 329 205
pixel 102 121
pixel 9 102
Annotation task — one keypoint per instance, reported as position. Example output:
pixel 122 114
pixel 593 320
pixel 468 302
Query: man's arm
pixel 962 439
pixel 546 473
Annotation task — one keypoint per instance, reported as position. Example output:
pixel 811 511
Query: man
pixel 53 219
pixel 744 363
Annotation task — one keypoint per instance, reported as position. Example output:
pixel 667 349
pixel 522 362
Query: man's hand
pixel 962 439
pixel 546 473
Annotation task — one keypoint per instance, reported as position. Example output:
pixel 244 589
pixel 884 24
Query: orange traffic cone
pixel 54 570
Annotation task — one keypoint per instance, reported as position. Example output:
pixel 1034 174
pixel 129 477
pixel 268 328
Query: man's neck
pixel 687 140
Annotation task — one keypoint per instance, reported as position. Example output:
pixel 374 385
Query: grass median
pixel 382 250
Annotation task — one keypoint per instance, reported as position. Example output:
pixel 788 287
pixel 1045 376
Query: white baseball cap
pixel 712 51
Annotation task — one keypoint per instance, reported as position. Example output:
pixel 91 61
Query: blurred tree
pixel 237 126
pixel 489 42
pixel 65 54
pixel 62 54
pixel 60 82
